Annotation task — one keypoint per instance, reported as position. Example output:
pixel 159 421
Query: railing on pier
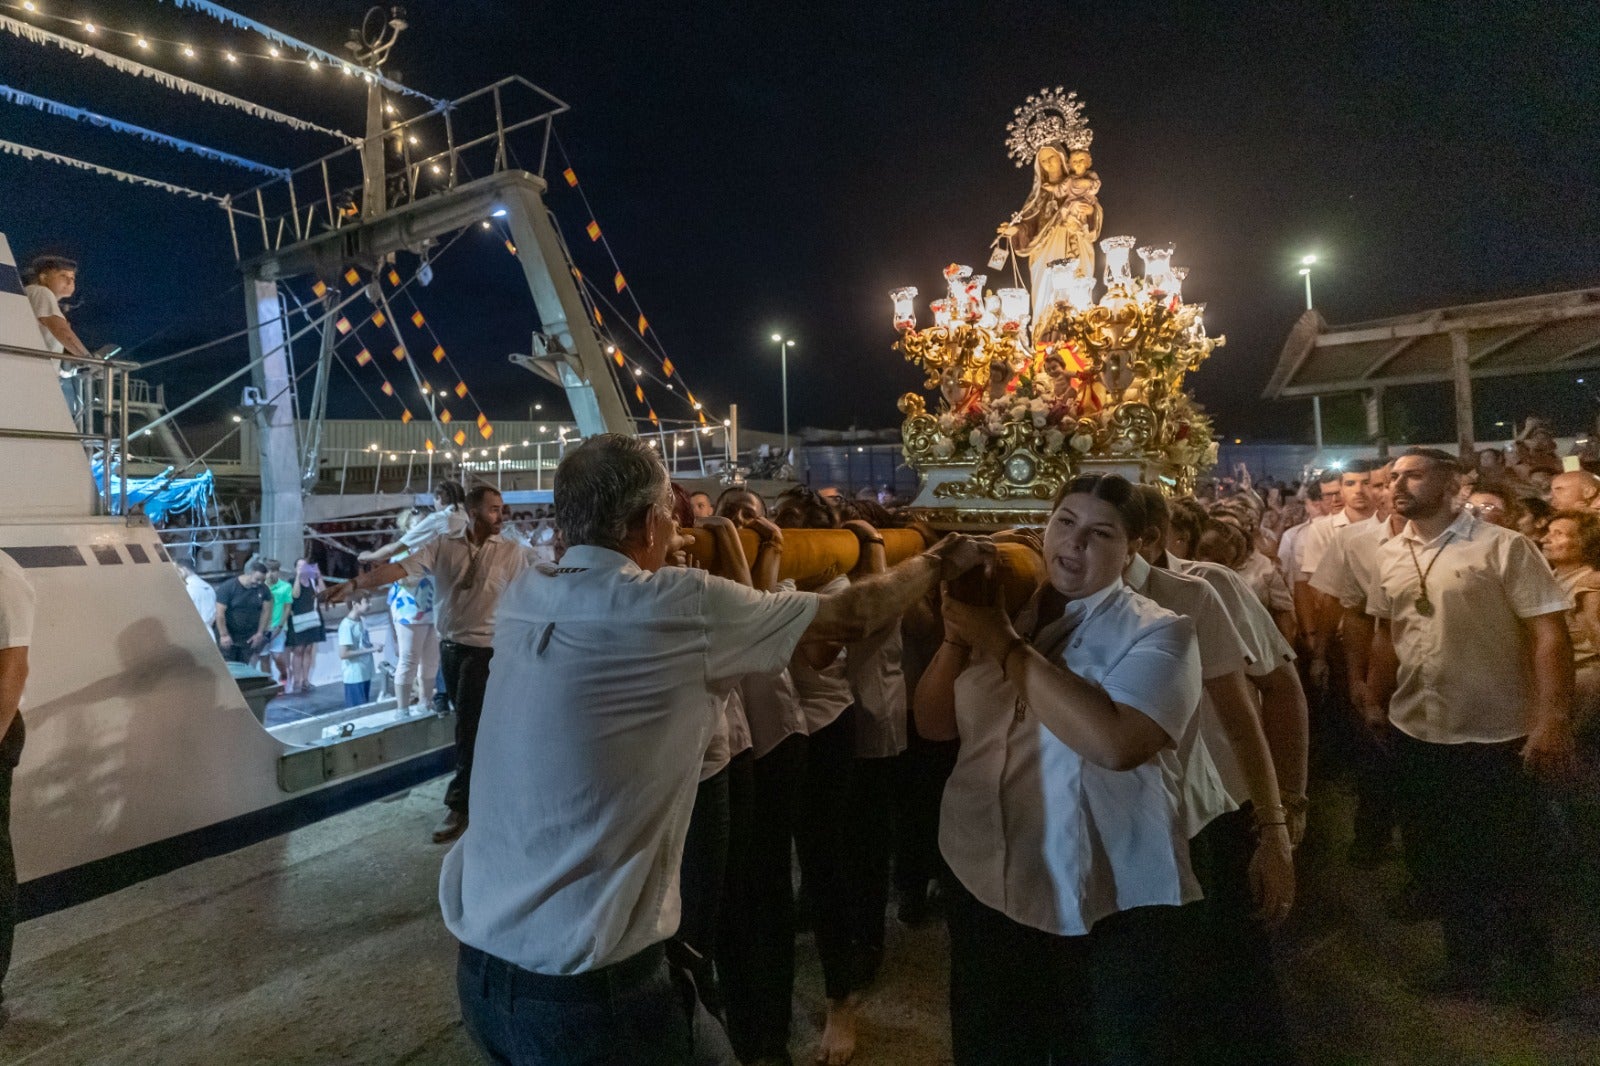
pixel 431 153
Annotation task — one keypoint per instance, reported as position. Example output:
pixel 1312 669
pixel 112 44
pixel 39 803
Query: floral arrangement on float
pixel 1084 372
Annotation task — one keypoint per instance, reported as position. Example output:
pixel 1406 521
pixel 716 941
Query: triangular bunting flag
pixel 438 353
pixel 653 419
pixel 597 319
pixel 666 367
pixel 351 276
pixel 485 430
pixel 617 356
pixel 702 418
pixel 318 289
pixel 644 324
pixel 461 389
pixel 363 357
pixel 428 444
pixel 572 178
pixel 593 229
pixel 394 276
pixel 388 389
pixel 638 392
pixel 342 325
pixel 619 282
pixel 444 415
pixel 483 420
pixel 416 319
pixel 399 351
pixel 460 437
pixel 405 416
pixel 378 319
pixel 510 247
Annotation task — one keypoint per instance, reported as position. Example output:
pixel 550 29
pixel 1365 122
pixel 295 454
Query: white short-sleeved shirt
pixel 1205 793
pixel 878 684
pixel 448 522
pixel 606 685
pixel 353 634
pixel 464 613
pixel 1038 833
pixel 1465 670
pixel 1349 569
pixel 1289 552
pixel 1266 582
pixel 45 305
pixel 203 596
pixel 17 605
pixel 1317 540
pixel 824 694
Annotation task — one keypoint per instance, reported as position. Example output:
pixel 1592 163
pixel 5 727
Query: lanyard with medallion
pixel 1423 604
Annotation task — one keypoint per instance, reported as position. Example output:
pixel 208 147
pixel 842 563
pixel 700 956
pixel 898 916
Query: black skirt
pixel 305 602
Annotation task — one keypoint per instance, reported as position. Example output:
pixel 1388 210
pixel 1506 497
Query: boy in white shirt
pixel 355 652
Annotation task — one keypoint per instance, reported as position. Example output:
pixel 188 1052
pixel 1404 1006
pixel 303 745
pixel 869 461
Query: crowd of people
pixel 1100 782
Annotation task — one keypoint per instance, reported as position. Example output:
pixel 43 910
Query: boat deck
pixel 325 946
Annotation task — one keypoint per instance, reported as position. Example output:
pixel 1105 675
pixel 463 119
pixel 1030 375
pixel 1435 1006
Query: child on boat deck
pixel 355 653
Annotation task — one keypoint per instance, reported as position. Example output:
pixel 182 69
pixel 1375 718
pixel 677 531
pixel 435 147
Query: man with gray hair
pixel 564 890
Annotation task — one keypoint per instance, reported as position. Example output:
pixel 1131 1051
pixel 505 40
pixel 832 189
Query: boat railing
pixel 112 437
pixel 424 155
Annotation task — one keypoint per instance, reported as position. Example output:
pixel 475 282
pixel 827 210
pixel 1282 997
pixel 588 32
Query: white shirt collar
pixel 594 557
pixel 1078 610
pixel 1464 526
pixel 1137 575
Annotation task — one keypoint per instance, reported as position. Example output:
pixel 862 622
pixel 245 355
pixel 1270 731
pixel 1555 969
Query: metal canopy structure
pixel 1551 333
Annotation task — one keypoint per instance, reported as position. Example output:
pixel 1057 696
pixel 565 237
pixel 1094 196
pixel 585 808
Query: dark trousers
pixel 755 955
pixel 1137 983
pixel 10 755
pixel 466 675
pixel 702 877
pixel 638 1012
pixel 357 693
pixel 822 841
pixel 1471 818
pixel 242 650
pixel 921 772
pixel 1018 996
pixel 869 833
pixel 1232 999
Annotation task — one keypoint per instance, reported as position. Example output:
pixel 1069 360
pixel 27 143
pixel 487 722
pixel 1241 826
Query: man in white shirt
pixel 471 567
pixel 16 633
pixel 564 891
pixel 201 594
pixel 1355 505
pixel 1473 644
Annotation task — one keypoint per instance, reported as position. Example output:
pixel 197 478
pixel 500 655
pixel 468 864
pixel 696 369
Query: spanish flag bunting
pixel 485 431
pixel 363 357
pixel 417 319
pixel 438 353
pixel 617 356
pixel 593 229
pixel 318 289
pixel 644 324
pixel 702 418
pixel 388 389
pixel 343 325
pixel 399 351
pixel 692 401
pixel 351 276
pixel 638 392
pixel 653 419
pixel 571 176
pixel 597 319
pixel 394 276
pixel 460 437
pixel 378 319
pixel 666 367
pixel 405 416
pixel 483 420
pixel 577 273
pixel 428 444
pixel 510 247
pixel 619 282
pixel 461 389
pixel 444 415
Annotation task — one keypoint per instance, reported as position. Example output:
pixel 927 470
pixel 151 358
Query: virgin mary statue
pixel 1060 220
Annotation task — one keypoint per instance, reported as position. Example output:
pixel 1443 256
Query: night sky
pixel 780 167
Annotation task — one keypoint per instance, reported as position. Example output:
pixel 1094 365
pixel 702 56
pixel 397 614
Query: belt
pixel 591 984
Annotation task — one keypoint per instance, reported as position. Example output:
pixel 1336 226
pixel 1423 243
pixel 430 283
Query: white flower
pixel 1039 419
pixel 1082 442
pixel 1053 440
pixel 977 438
pixel 943 447
pixel 947 423
pixel 1018 411
pixel 1038 407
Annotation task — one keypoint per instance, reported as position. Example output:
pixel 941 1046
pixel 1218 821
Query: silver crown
pixel 1050 117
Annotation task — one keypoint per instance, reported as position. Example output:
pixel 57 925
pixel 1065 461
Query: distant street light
pixel 1306 263
pixel 783 355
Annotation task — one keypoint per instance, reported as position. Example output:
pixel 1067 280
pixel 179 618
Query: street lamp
pixel 783 355
pixel 1306 263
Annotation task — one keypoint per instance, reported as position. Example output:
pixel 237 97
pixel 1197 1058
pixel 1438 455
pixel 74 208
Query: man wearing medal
pixel 1472 657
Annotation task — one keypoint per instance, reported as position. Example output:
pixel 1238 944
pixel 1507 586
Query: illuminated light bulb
pixel 638 373
pixel 484 453
pixel 538 407
pixel 27 5
pixel 412 139
pixel 273 52
pixel 347 70
pixel 188 53
pixel 89 27
pixel 142 43
pixel 372 447
pixel 524 444
pixel 544 429
pixel 436 168
pixel 313 65
pixel 727 423
pixel 905 310
pixel 611 349
pixel 698 405
pixel 230 57
pixel 388 108
pixel 393 457
pixel 486 224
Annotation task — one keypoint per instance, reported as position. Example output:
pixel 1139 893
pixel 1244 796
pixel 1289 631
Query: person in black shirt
pixel 244 613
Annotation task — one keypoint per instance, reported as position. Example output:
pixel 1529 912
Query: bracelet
pixel 1295 804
